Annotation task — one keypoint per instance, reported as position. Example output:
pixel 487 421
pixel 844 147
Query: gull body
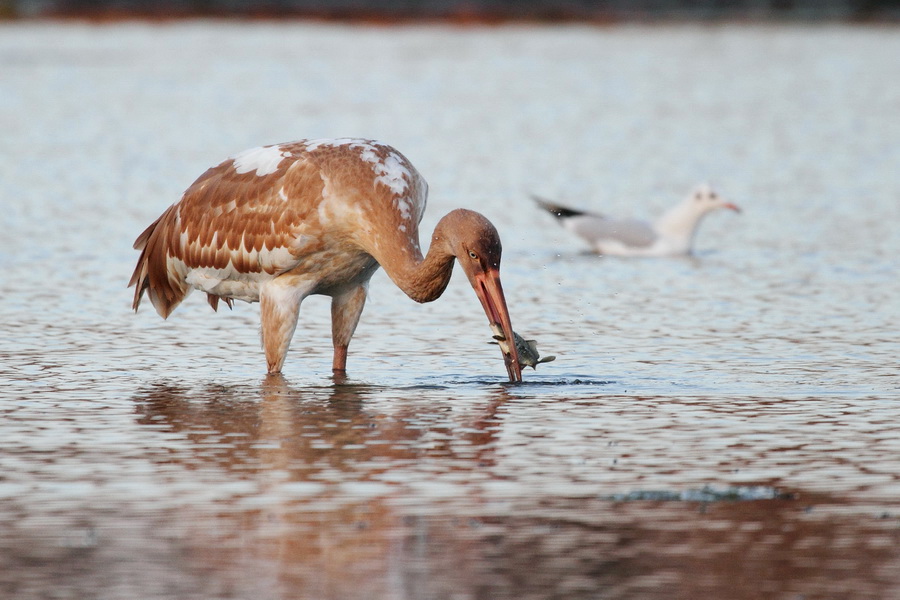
pixel 671 234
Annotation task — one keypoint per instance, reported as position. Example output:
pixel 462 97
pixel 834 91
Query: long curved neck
pixel 422 279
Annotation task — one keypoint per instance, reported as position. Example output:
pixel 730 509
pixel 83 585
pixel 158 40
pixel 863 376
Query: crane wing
pixel 230 223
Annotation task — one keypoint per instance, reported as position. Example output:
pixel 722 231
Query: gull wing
pixel 595 229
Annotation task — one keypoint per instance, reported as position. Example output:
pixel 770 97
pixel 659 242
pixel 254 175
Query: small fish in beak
pixel 525 349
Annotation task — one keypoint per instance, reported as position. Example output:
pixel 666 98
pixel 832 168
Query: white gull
pixel 671 234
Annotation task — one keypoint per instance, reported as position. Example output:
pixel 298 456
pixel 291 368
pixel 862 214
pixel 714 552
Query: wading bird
pixel 671 234
pixel 278 223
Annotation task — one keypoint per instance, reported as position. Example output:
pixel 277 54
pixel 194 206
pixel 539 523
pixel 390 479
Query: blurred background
pixel 597 10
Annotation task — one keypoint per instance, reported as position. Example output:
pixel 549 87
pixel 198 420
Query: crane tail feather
pixel 154 272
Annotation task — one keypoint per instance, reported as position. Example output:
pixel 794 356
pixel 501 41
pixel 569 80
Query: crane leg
pixel 345 311
pixel 279 302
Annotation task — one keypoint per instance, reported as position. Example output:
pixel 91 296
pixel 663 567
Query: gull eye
pixel 472 255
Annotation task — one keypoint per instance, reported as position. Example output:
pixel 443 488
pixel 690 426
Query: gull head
pixel 704 199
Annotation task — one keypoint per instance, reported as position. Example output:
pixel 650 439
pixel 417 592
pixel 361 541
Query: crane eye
pixel 472 255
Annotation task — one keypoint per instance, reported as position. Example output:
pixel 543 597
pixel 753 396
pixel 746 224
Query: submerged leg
pixel 345 311
pixel 279 302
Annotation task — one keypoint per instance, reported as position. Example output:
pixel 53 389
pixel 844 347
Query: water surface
pixel 719 426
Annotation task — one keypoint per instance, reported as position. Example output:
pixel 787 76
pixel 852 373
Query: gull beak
pixel 490 292
pixel 732 206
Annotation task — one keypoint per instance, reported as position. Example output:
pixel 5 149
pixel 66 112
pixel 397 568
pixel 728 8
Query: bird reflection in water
pixel 325 508
pixel 308 425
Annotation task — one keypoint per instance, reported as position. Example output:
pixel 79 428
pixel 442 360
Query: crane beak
pixel 490 292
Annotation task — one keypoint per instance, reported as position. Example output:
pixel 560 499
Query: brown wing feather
pixel 225 220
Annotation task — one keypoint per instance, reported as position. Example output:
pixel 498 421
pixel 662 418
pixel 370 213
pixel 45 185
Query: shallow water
pixel 721 426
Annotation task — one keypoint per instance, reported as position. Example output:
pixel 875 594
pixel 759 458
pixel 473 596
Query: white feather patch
pixel 393 173
pixel 276 259
pixel 264 160
pixel 227 283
